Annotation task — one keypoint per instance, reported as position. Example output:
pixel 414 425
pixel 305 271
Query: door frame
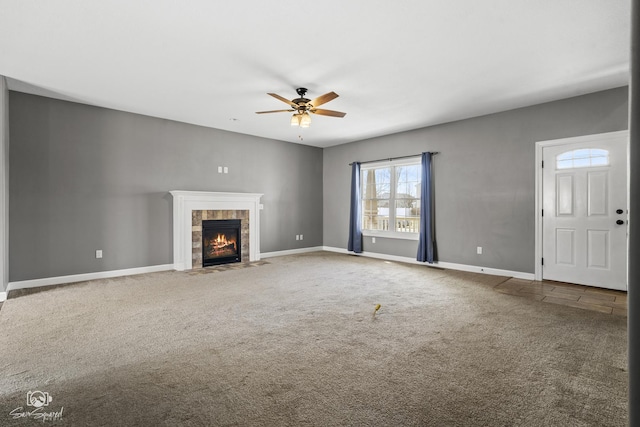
pixel 540 145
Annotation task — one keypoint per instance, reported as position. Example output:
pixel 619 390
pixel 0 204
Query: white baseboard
pixel 3 296
pixel 338 250
pixel 291 252
pixel 447 265
pixel 487 270
pixel 49 281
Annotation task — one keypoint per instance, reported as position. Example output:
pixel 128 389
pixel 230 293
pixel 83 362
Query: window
pixel 582 158
pixel 391 198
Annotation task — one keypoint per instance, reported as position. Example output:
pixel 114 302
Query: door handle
pixel 619 211
pixel 619 222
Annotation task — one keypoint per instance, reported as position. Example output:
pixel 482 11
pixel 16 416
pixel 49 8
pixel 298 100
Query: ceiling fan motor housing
pixel 302 101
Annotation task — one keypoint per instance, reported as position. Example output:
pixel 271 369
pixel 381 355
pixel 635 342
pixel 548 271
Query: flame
pixel 221 241
pixel 221 244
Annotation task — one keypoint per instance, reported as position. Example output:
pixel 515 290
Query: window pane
pixel 383 191
pixel 414 173
pixel 599 161
pixel 376 183
pixel 565 164
pixel 402 191
pixel 407 215
pixel 581 154
pixel 366 186
pixel 375 215
pixel 409 173
pixel 566 156
pixel 413 190
pixel 408 182
pixel 581 162
pixel 383 175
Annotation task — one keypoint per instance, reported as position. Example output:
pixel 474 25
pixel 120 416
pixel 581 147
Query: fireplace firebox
pixel 221 241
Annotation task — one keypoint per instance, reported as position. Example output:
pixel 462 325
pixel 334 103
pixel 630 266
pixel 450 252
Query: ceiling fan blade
pixel 323 99
pixel 273 111
pixel 328 112
pixel 285 100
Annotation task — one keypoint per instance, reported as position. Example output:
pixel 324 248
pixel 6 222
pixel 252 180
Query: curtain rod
pixel 395 158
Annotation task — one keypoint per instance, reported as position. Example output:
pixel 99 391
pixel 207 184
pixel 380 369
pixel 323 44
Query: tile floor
pixel 586 297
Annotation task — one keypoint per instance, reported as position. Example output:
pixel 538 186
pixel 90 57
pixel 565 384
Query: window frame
pixel 389 234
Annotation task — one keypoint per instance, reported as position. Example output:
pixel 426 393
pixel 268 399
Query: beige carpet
pixel 294 343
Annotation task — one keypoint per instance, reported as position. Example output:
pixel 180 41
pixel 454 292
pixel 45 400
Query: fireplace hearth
pixel 221 241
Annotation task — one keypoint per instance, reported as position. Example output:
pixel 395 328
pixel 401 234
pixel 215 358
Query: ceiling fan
pixel 301 107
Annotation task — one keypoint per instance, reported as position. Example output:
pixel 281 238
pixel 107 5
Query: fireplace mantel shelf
pixel 185 202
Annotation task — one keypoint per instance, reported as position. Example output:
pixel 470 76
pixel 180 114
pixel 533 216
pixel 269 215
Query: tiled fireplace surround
pixel 196 232
pixel 191 207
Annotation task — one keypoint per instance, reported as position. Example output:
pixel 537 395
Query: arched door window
pixel 582 158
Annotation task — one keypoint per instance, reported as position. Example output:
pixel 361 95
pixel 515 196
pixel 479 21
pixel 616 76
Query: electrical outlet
pixel 479 250
pixel 219 169
pixel 373 240
pixel 99 253
pixel 301 237
pixel 297 237
pixel 226 169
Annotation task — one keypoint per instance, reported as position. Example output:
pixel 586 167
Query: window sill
pixel 390 235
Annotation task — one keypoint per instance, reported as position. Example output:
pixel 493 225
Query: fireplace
pixel 221 241
pixel 190 208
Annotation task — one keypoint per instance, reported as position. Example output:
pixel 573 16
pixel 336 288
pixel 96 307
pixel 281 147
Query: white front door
pixel 584 194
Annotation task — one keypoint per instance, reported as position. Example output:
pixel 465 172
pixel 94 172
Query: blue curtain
pixel 426 243
pixel 355 218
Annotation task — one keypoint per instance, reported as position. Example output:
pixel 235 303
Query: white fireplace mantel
pixel 185 202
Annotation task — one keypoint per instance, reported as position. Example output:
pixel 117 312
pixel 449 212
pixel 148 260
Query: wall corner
pixel 4 185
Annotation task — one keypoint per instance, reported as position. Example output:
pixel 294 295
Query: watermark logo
pixel 37 399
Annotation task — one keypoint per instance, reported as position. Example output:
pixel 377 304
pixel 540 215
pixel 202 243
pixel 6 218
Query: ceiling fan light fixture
pixel 305 120
pixel 295 120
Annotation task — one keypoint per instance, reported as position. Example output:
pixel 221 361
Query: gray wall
pixel 84 178
pixel 4 184
pixel 483 177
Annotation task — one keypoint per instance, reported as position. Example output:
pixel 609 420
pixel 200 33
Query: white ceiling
pixel 397 65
